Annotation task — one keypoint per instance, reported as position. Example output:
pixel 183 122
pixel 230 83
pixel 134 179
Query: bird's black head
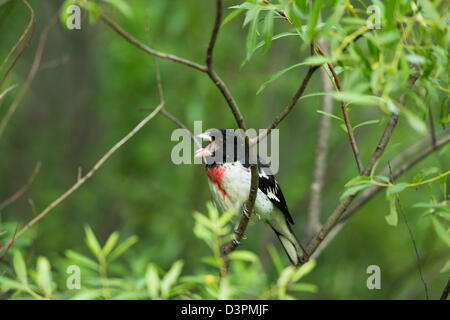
pixel 225 145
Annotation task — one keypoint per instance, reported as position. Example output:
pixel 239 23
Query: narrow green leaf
pixel 305 287
pixel 396 188
pixel 122 6
pixel 152 281
pixel 392 218
pixel 20 267
pixel 44 277
pixel 251 36
pixel 110 243
pixel 277 75
pixel 330 115
pixel 313 19
pixel 440 231
pixel 121 248
pixel 170 278
pixel 243 255
pixel 82 260
pixel 353 190
pixel 268 30
pixel 365 123
pixel 92 241
pixel 232 15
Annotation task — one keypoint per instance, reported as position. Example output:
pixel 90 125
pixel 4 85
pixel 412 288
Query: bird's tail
pixel 291 245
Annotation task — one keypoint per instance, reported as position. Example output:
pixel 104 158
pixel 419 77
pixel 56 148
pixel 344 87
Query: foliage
pixel 106 277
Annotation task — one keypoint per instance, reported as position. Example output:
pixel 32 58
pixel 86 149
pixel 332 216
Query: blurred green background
pixel 86 96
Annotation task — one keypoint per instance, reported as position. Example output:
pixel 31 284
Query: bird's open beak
pixel 208 150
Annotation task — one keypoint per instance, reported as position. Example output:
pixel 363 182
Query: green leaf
pixel 365 123
pixel 312 21
pixel 396 188
pixel 170 278
pixel 440 231
pixel 318 60
pixel 82 260
pixel 122 6
pixel 305 287
pixel 358 180
pixel 443 118
pixel 20 267
pixel 392 218
pixel 415 122
pixel 252 35
pixel 304 270
pixel 244 256
pixel 278 74
pixel 44 277
pixel 268 30
pixel 330 115
pixel 353 190
pixel 92 242
pixel 152 281
pixel 446 267
pixel 110 243
pixel 121 248
pixel 232 15
pixel 276 259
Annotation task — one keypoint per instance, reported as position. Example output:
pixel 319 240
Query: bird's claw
pixel 235 242
pixel 245 211
pixel 244 235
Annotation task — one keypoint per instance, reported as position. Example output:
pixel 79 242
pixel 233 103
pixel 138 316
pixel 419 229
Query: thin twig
pixel 371 192
pixel 148 50
pixel 240 230
pixel 81 181
pixel 344 204
pixel 31 74
pixel 3 94
pixel 446 291
pixel 413 240
pixel 431 123
pixel 288 108
pixel 345 114
pixel 23 189
pixel 31 23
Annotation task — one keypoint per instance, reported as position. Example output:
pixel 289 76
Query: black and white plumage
pixel 228 170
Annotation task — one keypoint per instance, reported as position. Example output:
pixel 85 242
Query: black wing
pixel 270 187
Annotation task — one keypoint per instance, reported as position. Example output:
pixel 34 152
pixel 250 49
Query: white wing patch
pixel 271 194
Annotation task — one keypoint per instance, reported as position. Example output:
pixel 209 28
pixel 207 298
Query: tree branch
pixel 345 113
pixel 31 23
pixel 371 192
pixel 148 50
pixel 31 74
pixel 446 291
pixel 413 240
pixel 81 181
pixel 320 159
pixel 343 205
pixel 288 108
pixel 239 232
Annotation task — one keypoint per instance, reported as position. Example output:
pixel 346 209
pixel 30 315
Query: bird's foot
pixel 235 242
pixel 244 235
pixel 244 211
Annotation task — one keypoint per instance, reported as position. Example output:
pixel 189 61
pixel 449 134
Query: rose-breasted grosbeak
pixel 228 170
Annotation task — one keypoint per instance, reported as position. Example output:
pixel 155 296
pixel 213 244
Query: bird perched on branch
pixel 228 170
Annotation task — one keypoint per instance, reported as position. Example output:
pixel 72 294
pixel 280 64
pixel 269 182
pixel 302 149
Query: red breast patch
pixel 216 175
